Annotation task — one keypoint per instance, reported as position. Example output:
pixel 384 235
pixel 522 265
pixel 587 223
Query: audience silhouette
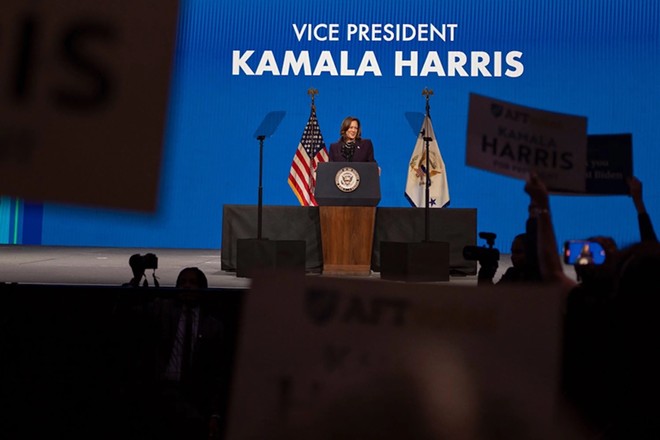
pixel 188 400
pixel 177 372
pixel 635 332
pixel 607 329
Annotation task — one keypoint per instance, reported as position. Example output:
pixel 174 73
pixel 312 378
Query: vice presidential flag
pixel 311 151
pixel 418 175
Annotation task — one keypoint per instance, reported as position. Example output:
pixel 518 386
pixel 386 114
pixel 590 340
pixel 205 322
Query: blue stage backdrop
pixel 237 61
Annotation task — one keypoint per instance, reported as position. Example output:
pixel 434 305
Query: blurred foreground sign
pixel 84 88
pixel 512 140
pixel 609 163
pixel 348 358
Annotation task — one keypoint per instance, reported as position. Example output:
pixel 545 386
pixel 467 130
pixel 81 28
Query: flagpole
pixel 426 260
pixel 261 189
pixel 427 213
pixel 312 92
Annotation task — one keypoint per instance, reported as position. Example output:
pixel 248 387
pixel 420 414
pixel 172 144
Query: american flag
pixel 311 151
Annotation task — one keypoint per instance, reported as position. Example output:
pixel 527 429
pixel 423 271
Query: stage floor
pixel 105 266
pixel 109 266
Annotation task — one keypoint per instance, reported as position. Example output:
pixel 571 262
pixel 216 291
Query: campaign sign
pixel 609 163
pixel 363 358
pixel 84 99
pixel 513 140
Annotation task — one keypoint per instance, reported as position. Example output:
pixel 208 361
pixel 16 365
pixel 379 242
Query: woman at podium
pixel 351 147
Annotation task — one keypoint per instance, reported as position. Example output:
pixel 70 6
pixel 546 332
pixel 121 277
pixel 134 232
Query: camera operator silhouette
pixel 486 256
pixel 139 264
pixel 523 267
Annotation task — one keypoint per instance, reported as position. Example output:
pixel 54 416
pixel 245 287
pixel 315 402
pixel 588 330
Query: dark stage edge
pixel 108 266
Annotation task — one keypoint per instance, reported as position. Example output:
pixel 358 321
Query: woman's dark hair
pixel 347 123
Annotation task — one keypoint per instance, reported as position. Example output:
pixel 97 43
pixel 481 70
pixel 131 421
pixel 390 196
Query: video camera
pixel 487 256
pixel 140 263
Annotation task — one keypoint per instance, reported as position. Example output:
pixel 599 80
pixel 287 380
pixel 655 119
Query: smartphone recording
pixel 581 252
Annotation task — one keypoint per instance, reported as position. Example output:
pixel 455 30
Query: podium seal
pixel 347 179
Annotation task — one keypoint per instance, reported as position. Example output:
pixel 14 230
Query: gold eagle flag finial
pixel 428 93
pixel 313 92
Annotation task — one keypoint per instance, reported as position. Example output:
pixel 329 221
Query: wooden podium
pixel 347 194
pixel 347 238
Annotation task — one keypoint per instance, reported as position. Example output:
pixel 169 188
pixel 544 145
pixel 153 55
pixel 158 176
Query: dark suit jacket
pixel 208 340
pixel 364 152
pixel 210 365
pixel 145 332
